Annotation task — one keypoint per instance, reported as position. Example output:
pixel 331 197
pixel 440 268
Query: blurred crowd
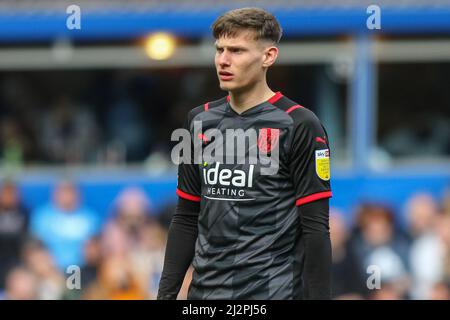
pixel 121 256
pixel 411 260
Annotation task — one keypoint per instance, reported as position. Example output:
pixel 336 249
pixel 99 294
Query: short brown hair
pixel 262 22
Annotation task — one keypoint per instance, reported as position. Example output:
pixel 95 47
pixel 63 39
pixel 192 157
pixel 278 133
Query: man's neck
pixel 245 100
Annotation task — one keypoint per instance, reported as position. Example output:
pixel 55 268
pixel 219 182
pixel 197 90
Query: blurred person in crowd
pixel 14 145
pixel 18 118
pixel 13 228
pixel 421 211
pixel 440 291
pixel 446 202
pixel 21 284
pixel 347 280
pixel 148 256
pixel 116 280
pixel 376 243
pixel 50 282
pixel 388 291
pixel 131 209
pixel 70 132
pixel 114 241
pixel 64 225
pixel 92 259
pixel 443 231
pixel 425 253
pixel 89 270
pixel 133 234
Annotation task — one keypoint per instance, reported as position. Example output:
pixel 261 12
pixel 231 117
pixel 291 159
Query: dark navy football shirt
pixel 248 224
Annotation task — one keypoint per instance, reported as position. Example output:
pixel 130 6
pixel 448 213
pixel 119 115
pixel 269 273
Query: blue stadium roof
pixel 44 20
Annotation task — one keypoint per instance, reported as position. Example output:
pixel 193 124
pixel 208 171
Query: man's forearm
pixel 317 250
pixel 179 250
pixel 317 273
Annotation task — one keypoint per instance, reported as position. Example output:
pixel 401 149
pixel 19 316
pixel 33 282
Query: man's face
pixel 66 196
pixel 240 61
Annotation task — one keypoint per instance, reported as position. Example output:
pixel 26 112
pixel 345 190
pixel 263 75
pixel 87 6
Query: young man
pixel 251 234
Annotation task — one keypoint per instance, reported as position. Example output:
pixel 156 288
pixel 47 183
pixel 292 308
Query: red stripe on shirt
pixel 313 197
pixel 187 196
pixel 275 97
pixel 297 106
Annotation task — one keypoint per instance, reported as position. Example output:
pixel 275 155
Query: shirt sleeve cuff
pixel 313 197
pixel 187 196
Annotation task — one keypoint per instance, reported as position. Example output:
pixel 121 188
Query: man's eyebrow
pixel 229 47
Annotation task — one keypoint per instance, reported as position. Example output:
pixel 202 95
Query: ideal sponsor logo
pixel 226 177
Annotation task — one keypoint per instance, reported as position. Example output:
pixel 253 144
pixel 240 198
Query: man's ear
pixel 270 56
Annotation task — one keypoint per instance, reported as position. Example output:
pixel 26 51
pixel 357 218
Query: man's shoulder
pixel 300 114
pixel 206 107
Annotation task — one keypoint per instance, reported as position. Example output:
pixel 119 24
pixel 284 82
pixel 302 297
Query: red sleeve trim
pixel 313 197
pixel 187 196
pixel 206 106
pixel 297 106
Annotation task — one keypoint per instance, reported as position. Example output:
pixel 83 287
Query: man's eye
pixel 236 50
pixel 220 50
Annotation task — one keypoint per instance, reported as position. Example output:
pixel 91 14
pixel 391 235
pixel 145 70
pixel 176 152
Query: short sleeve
pixel 189 184
pixel 310 160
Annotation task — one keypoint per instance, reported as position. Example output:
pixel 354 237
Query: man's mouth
pixel 225 75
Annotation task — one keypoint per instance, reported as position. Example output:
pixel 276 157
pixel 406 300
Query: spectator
pixel 376 243
pixel 131 209
pixel 347 279
pixel 148 256
pixel 65 225
pixel 425 253
pixel 443 232
pixel 92 258
pixel 440 291
pixel 21 284
pixel 132 234
pixel 13 143
pixel 116 281
pixel 13 228
pixel 50 283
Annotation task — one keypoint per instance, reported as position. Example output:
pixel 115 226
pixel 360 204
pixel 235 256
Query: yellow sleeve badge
pixel 323 164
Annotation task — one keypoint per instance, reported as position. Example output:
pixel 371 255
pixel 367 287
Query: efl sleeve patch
pixel 323 164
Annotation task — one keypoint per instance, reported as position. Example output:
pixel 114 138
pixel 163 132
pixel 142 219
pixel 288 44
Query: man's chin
pixel 227 86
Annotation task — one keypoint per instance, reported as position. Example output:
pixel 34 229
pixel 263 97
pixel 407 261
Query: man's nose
pixel 224 59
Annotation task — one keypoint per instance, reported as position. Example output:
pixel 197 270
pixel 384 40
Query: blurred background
pixel 86 116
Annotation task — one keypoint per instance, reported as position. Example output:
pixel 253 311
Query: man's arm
pixel 314 219
pixel 180 248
